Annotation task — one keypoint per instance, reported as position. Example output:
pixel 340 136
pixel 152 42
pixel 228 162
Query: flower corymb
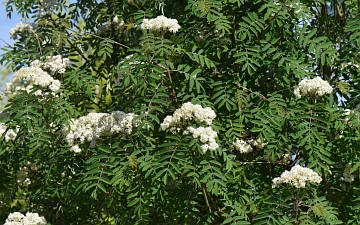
pixel 27 78
pixel 92 126
pixel 52 64
pixel 18 218
pixel 297 176
pixel 160 23
pixel 190 113
pixel 315 86
pixel 20 29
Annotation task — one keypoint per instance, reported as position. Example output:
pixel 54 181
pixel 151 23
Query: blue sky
pixel 6 24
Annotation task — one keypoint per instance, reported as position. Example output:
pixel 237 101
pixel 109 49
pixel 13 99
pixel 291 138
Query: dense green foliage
pixel 243 59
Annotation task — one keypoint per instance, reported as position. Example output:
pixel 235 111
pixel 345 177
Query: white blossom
pixel 52 64
pixel 297 176
pixel 21 29
pixel 160 23
pixel 242 146
pixel 189 112
pixel 207 136
pixel 15 217
pixel 26 78
pixel 18 218
pixel 10 134
pixel 315 86
pixel 75 149
pixel 90 127
pixel 193 113
pixel 33 219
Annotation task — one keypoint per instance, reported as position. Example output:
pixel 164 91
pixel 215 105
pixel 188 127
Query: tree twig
pixel 205 197
pixel 5 42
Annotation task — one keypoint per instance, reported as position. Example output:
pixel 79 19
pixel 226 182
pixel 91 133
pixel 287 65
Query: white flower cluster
pixel 348 177
pixel 207 137
pixel 160 23
pixel 188 112
pixel 90 127
pixel 52 64
pixel 315 86
pixel 26 78
pixel 22 176
pixel 10 134
pixel 246 146
pixel 242 146
pixel 193 113
pixel 297 176
pixel 21 29
pixel 17 218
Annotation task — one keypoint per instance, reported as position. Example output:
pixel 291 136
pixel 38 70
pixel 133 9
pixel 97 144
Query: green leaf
pixel 319 209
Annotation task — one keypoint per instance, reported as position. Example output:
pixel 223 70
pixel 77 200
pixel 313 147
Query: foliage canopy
pixel 242 59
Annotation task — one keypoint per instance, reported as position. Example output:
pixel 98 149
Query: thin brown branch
pixel 205 197
pixel 5 42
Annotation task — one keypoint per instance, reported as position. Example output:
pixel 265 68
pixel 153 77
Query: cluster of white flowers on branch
pixel 207 137
pixel 10 134
pixel 315 86
pixel 92 126
pixel 242 146
pixel 21 29
pixel 193 113
pixel 27 78
pixel 160 23
pixel 297 176
pixel 18 218
pixel 188 112
pixel 52 64
pixel 247 146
